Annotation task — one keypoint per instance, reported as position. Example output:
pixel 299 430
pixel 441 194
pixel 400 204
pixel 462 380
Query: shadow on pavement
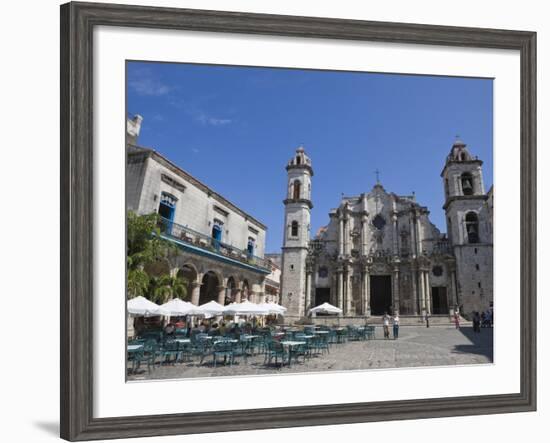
pixel 481 342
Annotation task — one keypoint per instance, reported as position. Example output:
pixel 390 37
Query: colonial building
pixel 220 246
pixel 380 252
pixel 273 282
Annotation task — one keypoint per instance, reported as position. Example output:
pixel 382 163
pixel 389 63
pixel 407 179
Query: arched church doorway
pixel 439 300
pixel 322 295
pixel 380 294
pixel 209 288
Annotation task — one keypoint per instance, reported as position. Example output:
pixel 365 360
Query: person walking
pixel 396 326
pixel 457 320
pixel 476 322
pixel 386 324
pixel 427 319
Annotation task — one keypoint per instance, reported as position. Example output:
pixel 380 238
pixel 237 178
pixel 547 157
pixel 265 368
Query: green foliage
pixel 144 247
pixel 143 241
pixel 165 287
pixel 138 283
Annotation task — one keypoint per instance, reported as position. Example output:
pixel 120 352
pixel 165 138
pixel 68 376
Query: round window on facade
pixel 437 271
pixel 323 272
pixel 379 222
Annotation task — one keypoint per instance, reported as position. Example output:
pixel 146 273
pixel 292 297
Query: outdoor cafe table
pixel 291 344
pixel 249 337
pixel 134 348
pixel 227 340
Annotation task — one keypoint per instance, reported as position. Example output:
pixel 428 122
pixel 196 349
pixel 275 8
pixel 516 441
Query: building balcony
pixel 443 247
pixel 211 247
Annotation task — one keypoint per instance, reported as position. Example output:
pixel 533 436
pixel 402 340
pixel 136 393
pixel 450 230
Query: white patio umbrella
pixel 141 307
pixel 325 308
pixel 246 308
pixel 273 308
pixel 177 307
pixel 210 309
pixel 276 307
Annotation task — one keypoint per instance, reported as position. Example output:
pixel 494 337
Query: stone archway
pixel 245 291
pixel 209 288
pixel 191 276
pixel 230 291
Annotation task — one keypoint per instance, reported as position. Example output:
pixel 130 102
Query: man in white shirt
pixel 396 326
pixel 386 323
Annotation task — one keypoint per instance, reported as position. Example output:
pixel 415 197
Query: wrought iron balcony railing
pixel 184 234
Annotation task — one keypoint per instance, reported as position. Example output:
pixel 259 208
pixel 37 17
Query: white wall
pixel 195 209
pixel 29 81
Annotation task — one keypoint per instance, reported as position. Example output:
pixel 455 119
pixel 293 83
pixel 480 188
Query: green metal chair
pixel 370 332
pixel 241 350
pixel 321 342
pixel 303 350
pixel 341 335
pixel 201 348
pixel 146 354
pixel 275 351
pixel 223 348
pixel 170 351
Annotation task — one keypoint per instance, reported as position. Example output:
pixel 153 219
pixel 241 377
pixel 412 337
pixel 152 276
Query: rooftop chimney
pixel 133 126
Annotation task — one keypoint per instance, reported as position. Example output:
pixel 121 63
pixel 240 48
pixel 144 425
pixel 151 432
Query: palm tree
pixel 166 287
pixel 137 282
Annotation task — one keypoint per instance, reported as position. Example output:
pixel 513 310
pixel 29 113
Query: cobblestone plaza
pixel 417 346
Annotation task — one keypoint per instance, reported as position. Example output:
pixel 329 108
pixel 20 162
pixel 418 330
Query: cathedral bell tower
pixel 469 222
pixel 296 233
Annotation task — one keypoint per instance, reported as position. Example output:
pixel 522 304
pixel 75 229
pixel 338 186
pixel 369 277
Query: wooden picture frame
pixel 77 218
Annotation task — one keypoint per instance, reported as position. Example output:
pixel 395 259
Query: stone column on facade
pixel 428 293
pixel 366 291
pixel 480 186
pixel 195 293
pixel 308 292
pixel 414 292
pixel 451 293
pixel 395 292
pixel 418 234
pixel 260 297
pixel 346 235
pixel 454 290
pixel 341 235
pixel 422 287
pixel 412 241
pixel 237 294
pixel 364 234
pixel 348 291
pixel 340 292
pixel 395 242
pixel 221 295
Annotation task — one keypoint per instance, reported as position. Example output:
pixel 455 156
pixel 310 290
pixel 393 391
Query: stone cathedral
pixel 380 253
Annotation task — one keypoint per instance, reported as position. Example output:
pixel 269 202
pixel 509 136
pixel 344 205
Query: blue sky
pixel 235 128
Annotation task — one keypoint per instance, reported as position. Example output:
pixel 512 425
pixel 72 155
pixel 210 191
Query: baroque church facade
pixel 380 252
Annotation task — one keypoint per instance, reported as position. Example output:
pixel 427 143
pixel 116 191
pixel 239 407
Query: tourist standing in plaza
pixel 476 322
pixel 396 326
pixel 386 324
